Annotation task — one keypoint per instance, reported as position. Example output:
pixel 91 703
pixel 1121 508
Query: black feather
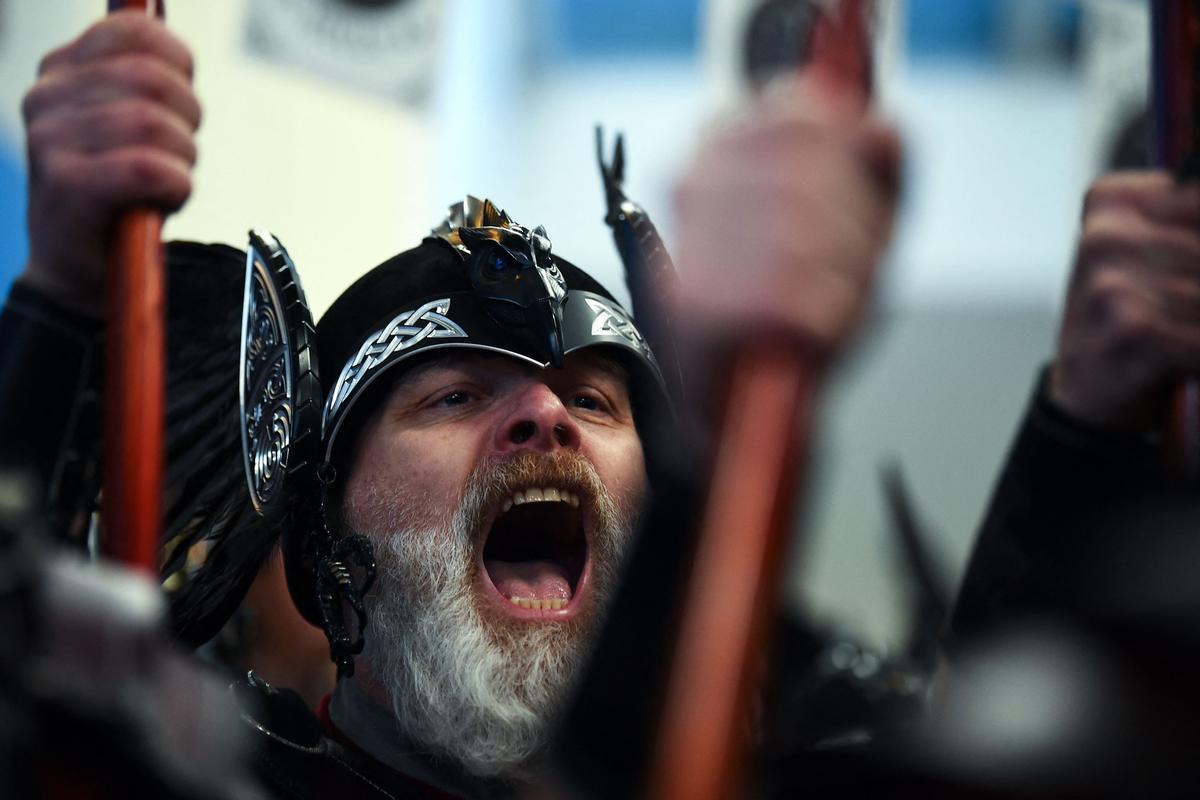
pixel 214 544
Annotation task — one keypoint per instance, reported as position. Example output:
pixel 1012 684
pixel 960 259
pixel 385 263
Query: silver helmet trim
pixel 406 329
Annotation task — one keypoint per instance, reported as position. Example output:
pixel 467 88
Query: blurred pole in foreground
pixel 1175 31
pixel 732 595
pixel 135 379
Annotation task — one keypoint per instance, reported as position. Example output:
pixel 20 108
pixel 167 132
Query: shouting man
pixel 483 398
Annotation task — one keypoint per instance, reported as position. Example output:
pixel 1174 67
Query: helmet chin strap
pixel 345 571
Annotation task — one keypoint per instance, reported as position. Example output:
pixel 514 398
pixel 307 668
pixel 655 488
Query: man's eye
pixel 586 402
pixel 455 399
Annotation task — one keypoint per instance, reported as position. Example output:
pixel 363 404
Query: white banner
pixel 385 47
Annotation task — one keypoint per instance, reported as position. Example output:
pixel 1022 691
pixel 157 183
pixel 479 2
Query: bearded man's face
pixel 499 498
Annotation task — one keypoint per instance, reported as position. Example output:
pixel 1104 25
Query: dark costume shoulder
pixel 298 757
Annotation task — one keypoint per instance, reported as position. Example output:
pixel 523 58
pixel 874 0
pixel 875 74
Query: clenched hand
pixel 1131 329
pixel 111 125
pixel 784 217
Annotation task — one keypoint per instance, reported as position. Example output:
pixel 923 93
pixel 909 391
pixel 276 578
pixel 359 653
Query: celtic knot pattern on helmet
pixel 407 329
pixel 612 321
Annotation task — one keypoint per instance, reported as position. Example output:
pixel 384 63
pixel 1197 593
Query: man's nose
pixel 537 421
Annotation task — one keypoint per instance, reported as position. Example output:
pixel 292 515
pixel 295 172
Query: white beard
pixel 465 683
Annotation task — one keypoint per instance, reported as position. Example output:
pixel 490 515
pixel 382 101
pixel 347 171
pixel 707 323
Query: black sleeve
pixel 49 409
pixel 51 378
pixel 1074 506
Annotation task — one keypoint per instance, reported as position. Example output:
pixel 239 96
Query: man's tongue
pixel 536 580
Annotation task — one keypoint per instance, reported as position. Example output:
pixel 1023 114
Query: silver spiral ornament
pixel 268 390
pixel 271 451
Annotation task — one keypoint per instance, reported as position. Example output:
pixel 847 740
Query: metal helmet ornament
pixel 512 272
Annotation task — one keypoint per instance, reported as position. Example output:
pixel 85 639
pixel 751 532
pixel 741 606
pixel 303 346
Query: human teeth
pixel 538 604
pixel 548 494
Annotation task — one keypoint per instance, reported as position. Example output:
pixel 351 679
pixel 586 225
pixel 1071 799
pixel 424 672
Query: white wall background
pixel 339 176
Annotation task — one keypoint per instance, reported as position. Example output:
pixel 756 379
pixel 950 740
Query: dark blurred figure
pixel 268 636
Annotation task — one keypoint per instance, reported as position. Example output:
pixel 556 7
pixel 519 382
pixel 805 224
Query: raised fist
pixel 111 125
pixel 1131 328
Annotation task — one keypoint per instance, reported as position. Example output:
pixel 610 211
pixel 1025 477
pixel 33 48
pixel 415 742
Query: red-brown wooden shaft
pixel 135 378
pixel 1176 61
pixel 733 592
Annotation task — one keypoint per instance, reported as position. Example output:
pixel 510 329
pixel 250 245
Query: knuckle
pixel 1136 336
pixel 1117 315
pixel 137 123
pixel 121 32
pixel 1105 300
pixel 40 138
pixel 105 32
pixel 55 57
pixel 32 102
pixel 137 72
pixel 189 63
pixel 189 151
pixel 142 122
pixel 1104 234
pixel 154 178
pixel 177 188
pixel 60 176
pixel 1106 187
pixel 1089 200
pixel 134 171
pixel 133 31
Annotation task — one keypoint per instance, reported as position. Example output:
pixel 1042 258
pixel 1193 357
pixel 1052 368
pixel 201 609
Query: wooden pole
pixel 135 377
pixel 732 596
pixel 1176 83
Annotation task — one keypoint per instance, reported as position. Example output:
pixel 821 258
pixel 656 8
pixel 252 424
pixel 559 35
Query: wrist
pixel 1058 402
pixel 86 301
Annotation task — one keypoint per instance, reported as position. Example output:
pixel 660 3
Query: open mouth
pixel 536 552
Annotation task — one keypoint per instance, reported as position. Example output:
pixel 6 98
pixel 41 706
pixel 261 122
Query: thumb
pixel 882 151
pixel 840 68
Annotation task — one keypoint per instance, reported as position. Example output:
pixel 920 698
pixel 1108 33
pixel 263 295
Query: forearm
pixel 50 407
pixel 1068 497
